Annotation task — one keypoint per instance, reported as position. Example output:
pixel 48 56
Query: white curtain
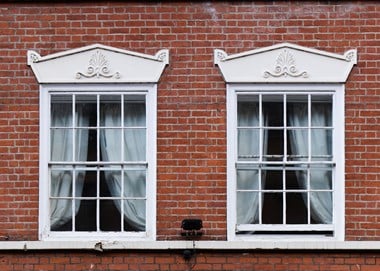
pixel 134 150
pixel 61 144
pixel 248 143
pixel 320 202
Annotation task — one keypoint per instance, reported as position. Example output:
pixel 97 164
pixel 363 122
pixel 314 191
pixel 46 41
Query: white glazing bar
pixel 122 159
pixel 309 158
pixel 73 134
pixel 261 148
pixel 97 159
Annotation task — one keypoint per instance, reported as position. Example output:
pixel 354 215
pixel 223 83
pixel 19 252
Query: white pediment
pixel 285 63
pixel 98 64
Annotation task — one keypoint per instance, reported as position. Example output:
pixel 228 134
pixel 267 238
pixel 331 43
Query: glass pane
pixel 135 144
pixel 248 144
pixel 273 208
pixel 110 217
pixel 272 180
pixel 135 215
pixel 85 145
pixel 61 145
pixel 274 150
pixel 85 220
pixel 111 184
pixel 60 215
pixel 61 183
pixel 110 110
pixel 134 114
pixel 321 111
pixel 247 179
pixel 320 179
pixel 85 111
pixel 321 207
pixel 61 111
pixel 111 144
pixel 273 110
pixel 248 114
pixel 298 143
pixel 135 183
pixel 296 211
pixel 247 208
pixel 90 184
pixel 321 147
pixel 297 110
pixel 296 179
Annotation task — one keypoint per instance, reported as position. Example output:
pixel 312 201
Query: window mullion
pixel 284 159
pixel 123 166
pixel 73 134
pixel 261 147
pixel 98 160
pixel 309 158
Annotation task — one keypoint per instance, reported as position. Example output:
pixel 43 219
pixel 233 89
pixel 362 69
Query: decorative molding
pixel 100 64
pixel 98 67
pixel 291 64
pixel 285 66
pixel 33 57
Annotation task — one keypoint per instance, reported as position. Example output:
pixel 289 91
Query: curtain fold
pixel 248 204
pixel 134 150
pixel 61 144
pixel 320 202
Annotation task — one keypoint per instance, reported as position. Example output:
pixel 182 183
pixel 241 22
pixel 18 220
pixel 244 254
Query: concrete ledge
pixel 178 245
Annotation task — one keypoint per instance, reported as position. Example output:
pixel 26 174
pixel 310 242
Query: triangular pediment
pixel 98 64
pixel 285 63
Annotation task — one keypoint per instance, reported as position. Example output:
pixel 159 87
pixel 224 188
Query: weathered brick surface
pixel 191 133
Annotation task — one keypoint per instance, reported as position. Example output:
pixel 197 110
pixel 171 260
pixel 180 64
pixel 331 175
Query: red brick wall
pixel 205 261
pixel 191 108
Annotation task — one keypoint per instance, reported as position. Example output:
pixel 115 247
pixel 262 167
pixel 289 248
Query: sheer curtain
pixel 134 150
pixel 320 202
pixel 61 150
pixel 249 144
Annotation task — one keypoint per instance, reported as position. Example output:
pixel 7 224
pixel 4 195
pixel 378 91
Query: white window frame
pixel 337 90
pixel 149 90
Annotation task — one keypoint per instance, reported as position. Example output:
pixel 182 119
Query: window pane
pixel 273 208
pixel 321 111
pixel 111 184
pixel 321 207
pixel 248 144
pixel 321 147
pixel 135 214
pixel 296 179
pixel 90 184
pixel 134 114
pixel 134 144
pixel 272 180
pixel 296 211
pixel 85 220
pixel 85 145
pixel 247 208
pixel 248 114
pixel 60 215
pixel 247 179
pixel 110 110
pixel 320 179
pixel 61 183
pixel 86 110
pixel 61 145
pixel 135 183
pixel 297 110
pixel 273 110
pixel 110 218
pixel 299 145
pixel 111 144
pixel 61 112
pixel 274 149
